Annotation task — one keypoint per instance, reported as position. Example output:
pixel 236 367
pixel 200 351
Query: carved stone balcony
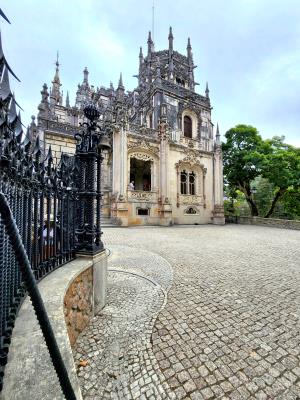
pixel 142 196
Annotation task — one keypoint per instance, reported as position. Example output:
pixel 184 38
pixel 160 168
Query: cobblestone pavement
pixel 225 325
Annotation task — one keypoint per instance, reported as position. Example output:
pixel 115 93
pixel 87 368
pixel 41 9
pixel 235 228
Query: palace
pixel 165 165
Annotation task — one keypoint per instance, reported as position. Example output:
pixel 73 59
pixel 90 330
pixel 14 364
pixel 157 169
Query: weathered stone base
pixel 218 215
pixel 29 373
pixel 99 278
pixel 79 304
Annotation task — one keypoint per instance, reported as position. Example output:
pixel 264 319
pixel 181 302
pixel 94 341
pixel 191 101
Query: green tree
pixel 281 166
pixel 291 202
pixel 275 165
pixel 242 156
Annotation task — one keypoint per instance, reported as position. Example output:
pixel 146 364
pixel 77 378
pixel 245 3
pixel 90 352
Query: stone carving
pixel 139 195
pixel 190 199
pixel 192 159
pixel 191 211
pixel 142 144
pixel 141 156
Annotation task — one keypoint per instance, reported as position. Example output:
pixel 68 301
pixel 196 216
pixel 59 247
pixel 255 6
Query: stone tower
pixel 165 166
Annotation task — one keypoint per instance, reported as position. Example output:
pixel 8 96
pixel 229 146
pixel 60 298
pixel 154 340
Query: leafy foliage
pixel 271 165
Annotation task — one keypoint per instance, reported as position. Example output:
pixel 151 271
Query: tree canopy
pixel 247 156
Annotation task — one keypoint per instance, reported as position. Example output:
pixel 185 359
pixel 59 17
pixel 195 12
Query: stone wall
pixel 78 304
pixel 276 223
pixel 59 144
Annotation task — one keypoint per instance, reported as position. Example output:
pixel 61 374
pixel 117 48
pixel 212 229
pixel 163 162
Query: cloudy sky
pixel 247 50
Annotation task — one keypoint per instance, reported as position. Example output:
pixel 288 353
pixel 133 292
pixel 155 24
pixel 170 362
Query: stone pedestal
pixel 218 215
pixel 165 215
pixel 99 279
pixel 119 213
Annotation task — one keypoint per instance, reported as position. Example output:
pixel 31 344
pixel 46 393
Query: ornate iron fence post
pixel 91 141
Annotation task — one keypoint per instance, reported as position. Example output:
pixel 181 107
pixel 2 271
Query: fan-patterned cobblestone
pixel 217 317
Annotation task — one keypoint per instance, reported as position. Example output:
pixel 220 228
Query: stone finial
pixel 120 85
pixel 207 91
pixel 55 95
pixel 150 45
pixel 218 141
pixel 189 52
pixel 67 99
pixel 170 38
pixel 85 76
pixel 141 55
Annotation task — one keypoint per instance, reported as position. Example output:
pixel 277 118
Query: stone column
pixel 164 191
pixel 119 208
pixel 218 213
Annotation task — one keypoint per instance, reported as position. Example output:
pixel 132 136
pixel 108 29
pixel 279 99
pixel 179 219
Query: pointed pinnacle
pixel 141 52
pixel 170 33
pixel 149 37
pixel 207 90
pixel 189 44
pixel 217 133
pixel 121 81
pixel 67 99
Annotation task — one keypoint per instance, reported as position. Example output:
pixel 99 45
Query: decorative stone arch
pixel 145 155
pixel 192 164
pixel 191 210
pixel 194 119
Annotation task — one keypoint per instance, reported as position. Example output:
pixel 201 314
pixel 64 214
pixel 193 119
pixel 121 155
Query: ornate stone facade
pixel 165 166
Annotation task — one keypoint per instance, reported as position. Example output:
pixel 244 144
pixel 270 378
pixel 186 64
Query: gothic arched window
pixel 187 130
pixel 183 182
pixel 187 183
pixel 192 183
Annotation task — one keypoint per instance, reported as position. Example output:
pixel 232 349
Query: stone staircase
pixel 107 223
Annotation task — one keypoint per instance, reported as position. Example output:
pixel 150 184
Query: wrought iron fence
pixel 53 211
pixel 43 202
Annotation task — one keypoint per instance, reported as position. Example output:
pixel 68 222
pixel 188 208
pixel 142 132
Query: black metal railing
pixel 42 199
pixel 47 211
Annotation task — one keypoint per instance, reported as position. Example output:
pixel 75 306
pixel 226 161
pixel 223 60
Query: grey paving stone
pixel 230 320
